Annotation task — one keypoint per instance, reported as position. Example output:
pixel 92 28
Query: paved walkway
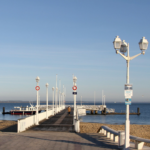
pixel 43 140
pixel 62 121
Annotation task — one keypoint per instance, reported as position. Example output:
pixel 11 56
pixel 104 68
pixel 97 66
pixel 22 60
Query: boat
pixel 24 110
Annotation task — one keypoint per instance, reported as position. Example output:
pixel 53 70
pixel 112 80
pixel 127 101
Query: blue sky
pixel 45 38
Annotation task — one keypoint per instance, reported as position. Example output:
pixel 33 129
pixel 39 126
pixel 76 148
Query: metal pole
pixel 81 100
pixel 61 100
pixel 102 97
pixel 74 102
pixel 47 102
pixel 127 123
pixel 56 95
pixel 63 96
pixel 53 100
pixel 59 92
pixel 94 98
pixel 37 120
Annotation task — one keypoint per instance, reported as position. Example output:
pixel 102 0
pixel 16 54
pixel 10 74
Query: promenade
pixel 43 140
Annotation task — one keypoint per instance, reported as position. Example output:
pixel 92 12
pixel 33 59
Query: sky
pixel 66 37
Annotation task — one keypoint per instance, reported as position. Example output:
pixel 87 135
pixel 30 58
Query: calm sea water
pixel 143 118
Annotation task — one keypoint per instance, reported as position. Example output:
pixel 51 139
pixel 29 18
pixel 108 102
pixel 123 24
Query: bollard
pixel 96 111
pixel 138 111
pixel 3 110
pixel 121 138
pixel 104 111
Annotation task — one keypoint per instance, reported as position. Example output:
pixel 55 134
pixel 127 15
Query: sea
pixel 143 118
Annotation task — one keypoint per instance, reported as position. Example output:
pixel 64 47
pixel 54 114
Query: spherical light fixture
pixel 74 79
pixel 47 85
pixel 37 79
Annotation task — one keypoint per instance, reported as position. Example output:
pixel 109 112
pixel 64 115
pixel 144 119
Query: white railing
pixel 93 107
pixel 119 137
pixel 25 123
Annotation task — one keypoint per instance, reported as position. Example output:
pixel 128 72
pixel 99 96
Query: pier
pixel 59 122
pixel 92 108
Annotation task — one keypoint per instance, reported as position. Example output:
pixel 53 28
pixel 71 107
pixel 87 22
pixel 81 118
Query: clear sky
pixel 65 37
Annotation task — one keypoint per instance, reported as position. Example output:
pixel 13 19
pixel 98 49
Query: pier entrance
pixel 62 121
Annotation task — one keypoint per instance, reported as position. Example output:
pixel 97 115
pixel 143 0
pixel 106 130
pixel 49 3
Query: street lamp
pixel 74 91
pixel 47 100
pixel 37 80
pixel 59 93
pixel 53 98
pixel 123 47
pixel 56 93
pixel 61 100
pixel 63 94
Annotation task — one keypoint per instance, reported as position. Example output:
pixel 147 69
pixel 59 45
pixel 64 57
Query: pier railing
pixel 119 137
pixel 25 123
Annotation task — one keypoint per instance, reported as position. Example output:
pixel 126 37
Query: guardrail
pixel 25 123
pixel 120 137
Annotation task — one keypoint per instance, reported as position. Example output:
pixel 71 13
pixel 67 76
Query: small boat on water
pixel 24 110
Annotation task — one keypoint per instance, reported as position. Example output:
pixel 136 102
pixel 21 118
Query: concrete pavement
pixel 43 140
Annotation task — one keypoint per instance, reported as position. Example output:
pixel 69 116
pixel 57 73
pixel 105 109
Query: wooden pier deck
pixel 60 122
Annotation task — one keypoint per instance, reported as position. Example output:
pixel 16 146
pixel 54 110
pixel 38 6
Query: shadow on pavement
pixel 12 128
pixel 100 140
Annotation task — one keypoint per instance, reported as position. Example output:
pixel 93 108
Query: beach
pixel 8 126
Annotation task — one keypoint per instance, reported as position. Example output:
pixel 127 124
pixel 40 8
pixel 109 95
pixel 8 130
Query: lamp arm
pixel 135 56
pixel 125 57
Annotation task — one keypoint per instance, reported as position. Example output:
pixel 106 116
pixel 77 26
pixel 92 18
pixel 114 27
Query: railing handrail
pixel 139 139
pixel 131 136
pixel 110 130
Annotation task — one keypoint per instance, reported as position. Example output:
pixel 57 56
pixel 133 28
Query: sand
pixel 8 126
pixel 142 131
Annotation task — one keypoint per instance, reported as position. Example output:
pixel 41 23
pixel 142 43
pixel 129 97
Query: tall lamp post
pixel 61 101
pixel 74 93
pixel 47 100
pixel 63 96
pixel 59 93
pixel 53 98
pixel 123 47
pixel 56 94
pixel 37 88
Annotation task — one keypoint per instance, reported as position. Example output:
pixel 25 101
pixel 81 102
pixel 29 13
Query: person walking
pixel 69 110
